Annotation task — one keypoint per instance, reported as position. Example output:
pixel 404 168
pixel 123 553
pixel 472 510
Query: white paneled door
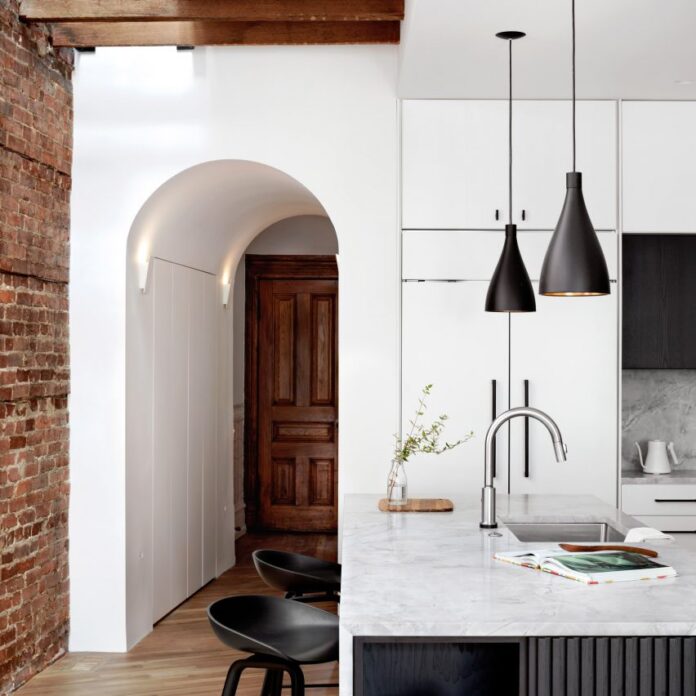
pixel 184 433
pixel 451 343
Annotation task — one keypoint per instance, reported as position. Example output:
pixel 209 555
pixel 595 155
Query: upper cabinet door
pixel 454 164
pixel 659 166
pixel 542 154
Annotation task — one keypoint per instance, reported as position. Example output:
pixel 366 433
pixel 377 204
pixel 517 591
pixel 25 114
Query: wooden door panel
pixel 297 404
pixel 323 316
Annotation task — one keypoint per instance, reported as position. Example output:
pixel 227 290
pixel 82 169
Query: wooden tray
pixel 419 505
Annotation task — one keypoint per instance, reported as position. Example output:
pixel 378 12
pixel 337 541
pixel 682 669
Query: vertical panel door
pixel 454 168
pixel 449 341
pixel 297 391
pixel 567 351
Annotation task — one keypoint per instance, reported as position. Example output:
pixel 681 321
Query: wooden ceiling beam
pixel 216 33
pixel 229 10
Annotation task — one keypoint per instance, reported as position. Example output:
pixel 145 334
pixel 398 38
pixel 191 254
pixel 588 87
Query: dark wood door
pixel 297 400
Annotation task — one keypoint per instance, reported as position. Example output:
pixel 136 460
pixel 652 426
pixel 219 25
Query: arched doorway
pixel 183 250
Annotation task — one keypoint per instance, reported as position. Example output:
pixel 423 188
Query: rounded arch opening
pixel 185 245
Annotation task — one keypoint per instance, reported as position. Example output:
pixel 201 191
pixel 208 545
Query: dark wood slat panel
pixel 573 667
pixel 646 667
pixel 660 666
pixel 587 666
pixel 544 667
pixel 602 667
pixel 231 10
pixel 632 667
pixel 675 667
pixel 616 675
pixel 689 660
pixel 220 33
pixel 532 662
pixel 558 677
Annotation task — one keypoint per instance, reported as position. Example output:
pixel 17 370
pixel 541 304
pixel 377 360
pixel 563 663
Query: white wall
pixel 326 116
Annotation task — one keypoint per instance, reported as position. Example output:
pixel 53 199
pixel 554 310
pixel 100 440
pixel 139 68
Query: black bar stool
pixel 302 578
pixel 280 635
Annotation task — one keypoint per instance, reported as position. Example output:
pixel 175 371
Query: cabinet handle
pixel 679 531
pixel 494 414
pixel 497 214
pixel 526 430
pixel 524 215
pixel 675 500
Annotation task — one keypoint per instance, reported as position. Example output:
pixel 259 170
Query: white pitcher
pixel 657 461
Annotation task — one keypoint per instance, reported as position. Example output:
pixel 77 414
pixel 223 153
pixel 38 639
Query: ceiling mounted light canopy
pixel 574 265
pixel 510 289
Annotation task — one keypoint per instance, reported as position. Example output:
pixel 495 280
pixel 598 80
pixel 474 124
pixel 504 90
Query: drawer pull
pixel 675 500
pixel 679 531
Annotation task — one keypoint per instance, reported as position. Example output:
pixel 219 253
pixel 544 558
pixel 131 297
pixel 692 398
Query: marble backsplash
pixel 659 405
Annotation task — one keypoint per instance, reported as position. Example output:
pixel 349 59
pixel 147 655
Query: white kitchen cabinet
pixel 454 164
pixel 659 166
pixel 455 159
pixel 451 343
pixel 567 350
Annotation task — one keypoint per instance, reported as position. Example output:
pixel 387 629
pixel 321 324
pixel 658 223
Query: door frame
pixel 272 267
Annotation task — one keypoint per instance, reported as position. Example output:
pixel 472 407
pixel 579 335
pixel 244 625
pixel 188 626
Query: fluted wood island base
pixel 426 610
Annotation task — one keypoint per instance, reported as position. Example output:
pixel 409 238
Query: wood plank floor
pixel 182 657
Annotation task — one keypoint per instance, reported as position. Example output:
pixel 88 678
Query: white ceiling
pixel 631 49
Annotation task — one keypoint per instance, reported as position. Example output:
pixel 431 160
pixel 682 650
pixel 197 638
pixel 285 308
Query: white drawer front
pixel 670 523
pixel 659 499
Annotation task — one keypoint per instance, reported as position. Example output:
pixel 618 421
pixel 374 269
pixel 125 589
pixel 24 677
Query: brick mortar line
pixel 29 158
pixel 41 279
pixel 27 400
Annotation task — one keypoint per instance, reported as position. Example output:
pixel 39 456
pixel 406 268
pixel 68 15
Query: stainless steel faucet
pixel 488 492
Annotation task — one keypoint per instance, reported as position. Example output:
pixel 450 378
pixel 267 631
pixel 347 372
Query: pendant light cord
pixel 510 136
pixel 573 25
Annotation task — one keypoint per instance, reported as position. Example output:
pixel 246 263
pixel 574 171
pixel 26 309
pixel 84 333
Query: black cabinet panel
pixel 659 301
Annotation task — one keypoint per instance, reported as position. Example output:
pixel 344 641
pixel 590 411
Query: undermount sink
pixel 564 531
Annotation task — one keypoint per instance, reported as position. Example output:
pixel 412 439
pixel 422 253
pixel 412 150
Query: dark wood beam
pixel 209 33
pixel 230 10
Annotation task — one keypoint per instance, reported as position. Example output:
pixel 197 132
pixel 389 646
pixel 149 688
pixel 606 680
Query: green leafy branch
pixel 424 439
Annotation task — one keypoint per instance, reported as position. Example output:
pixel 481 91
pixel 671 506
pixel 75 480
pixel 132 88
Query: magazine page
pixel 606 566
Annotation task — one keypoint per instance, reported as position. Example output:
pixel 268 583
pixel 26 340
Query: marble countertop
pixel 683 476
pixel 433 574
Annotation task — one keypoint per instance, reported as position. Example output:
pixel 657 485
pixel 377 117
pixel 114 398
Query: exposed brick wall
pixel 35 164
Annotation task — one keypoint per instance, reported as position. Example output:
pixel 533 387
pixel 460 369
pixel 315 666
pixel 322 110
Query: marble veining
pixel 433 574
pixel 681 476
pixel 659 405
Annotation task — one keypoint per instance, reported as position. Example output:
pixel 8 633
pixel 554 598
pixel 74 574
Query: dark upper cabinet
pixel 659 301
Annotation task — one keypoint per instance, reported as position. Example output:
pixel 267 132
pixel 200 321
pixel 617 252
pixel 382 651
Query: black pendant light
pixel 574 265
pixel 510 289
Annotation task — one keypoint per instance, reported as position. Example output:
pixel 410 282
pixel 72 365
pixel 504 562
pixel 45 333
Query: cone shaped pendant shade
pixel 574 265
pixel 510 289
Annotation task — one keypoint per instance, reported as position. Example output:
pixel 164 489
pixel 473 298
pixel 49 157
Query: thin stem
pixel 510 136
pixel 573 24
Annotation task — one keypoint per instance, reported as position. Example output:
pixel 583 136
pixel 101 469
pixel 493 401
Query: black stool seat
pixel 297 574
pixel 277 628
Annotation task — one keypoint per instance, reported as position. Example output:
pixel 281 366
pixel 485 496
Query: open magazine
pixel 591 567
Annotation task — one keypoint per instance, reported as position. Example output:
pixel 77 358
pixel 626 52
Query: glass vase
pixel 397 485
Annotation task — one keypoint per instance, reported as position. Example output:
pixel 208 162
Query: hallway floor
pixel 182 657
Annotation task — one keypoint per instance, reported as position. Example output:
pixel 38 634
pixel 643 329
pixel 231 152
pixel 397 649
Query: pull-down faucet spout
pixel 488 493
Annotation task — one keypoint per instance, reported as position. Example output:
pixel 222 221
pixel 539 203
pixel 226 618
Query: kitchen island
pixel 426 609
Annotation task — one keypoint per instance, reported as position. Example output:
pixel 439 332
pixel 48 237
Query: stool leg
pixel 272 682
pixel 232 681
pixel 297 681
